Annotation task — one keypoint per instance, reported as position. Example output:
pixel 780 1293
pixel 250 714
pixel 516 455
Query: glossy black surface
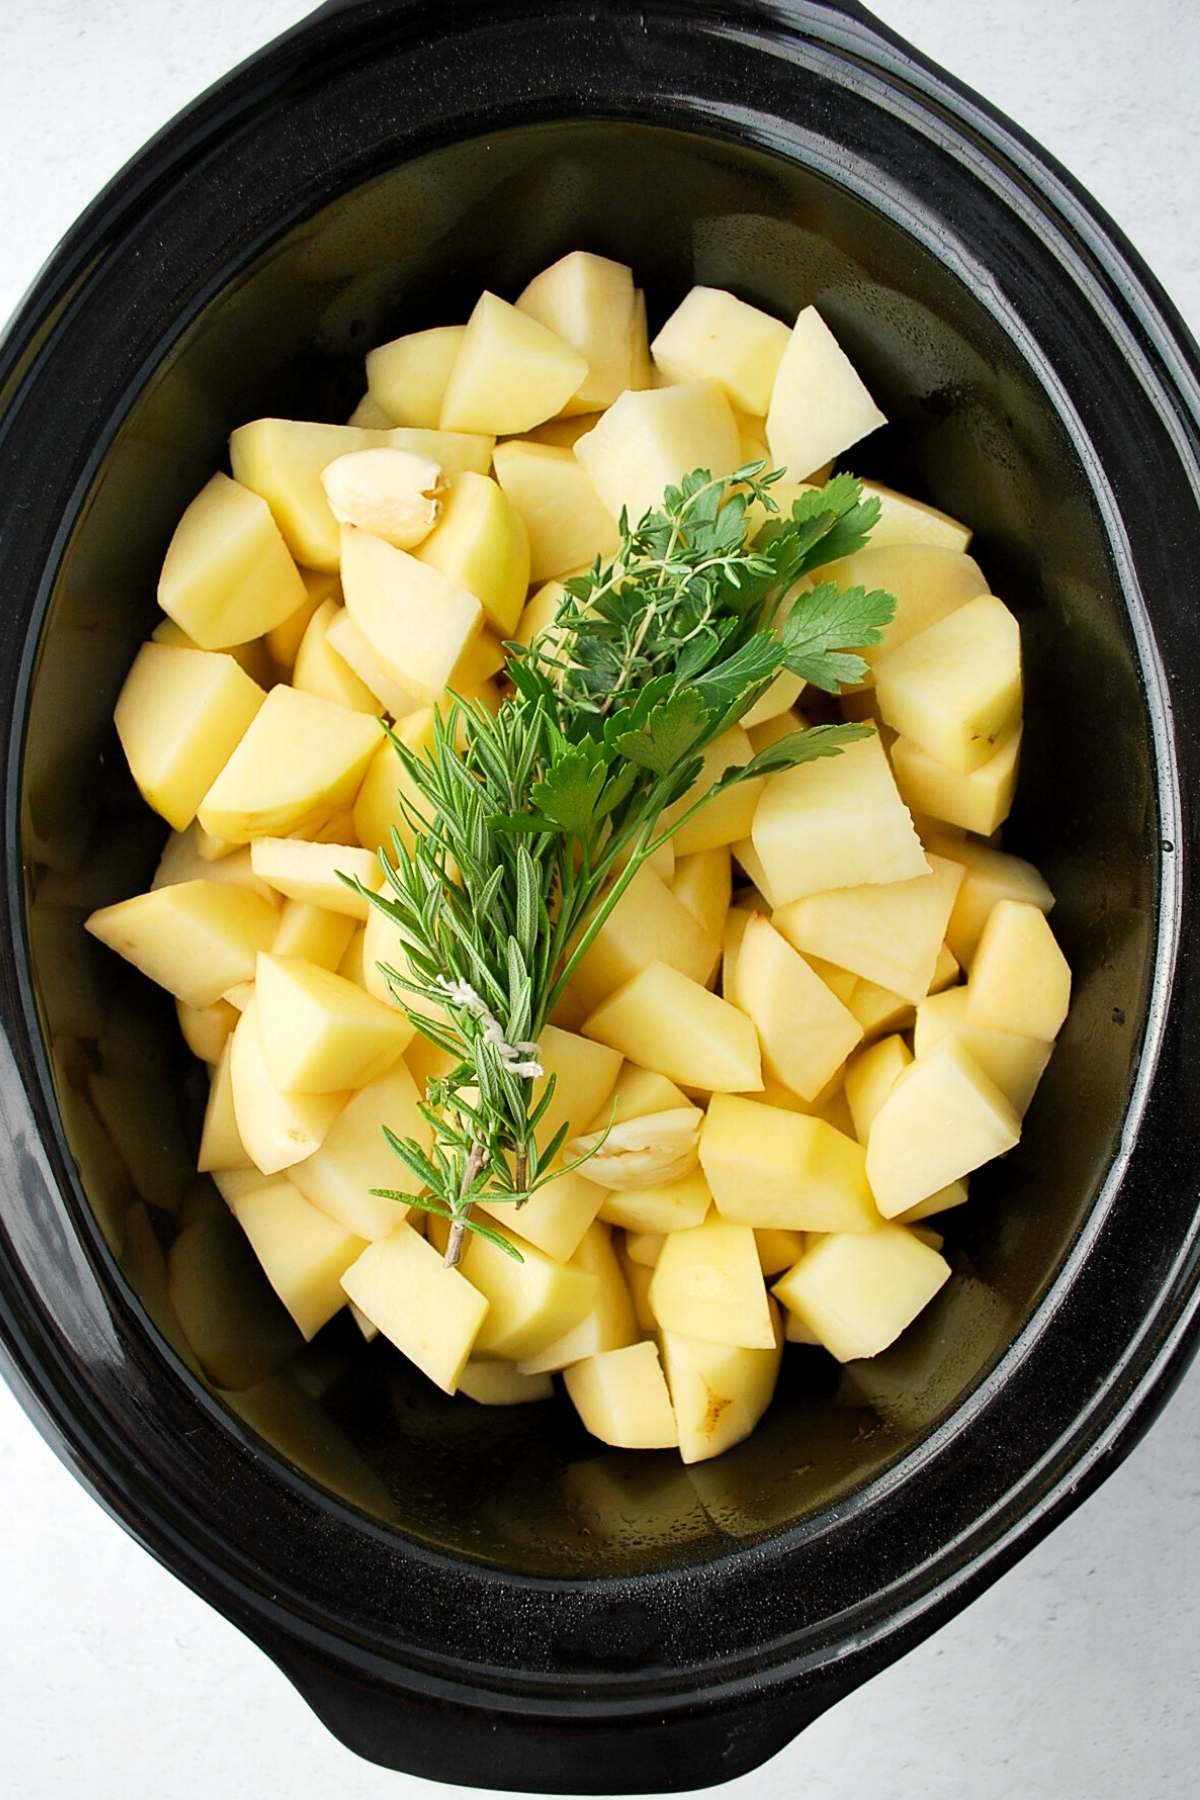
pixel 483 1596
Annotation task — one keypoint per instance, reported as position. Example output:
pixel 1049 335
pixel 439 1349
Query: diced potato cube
pixel 980 801
pixel 285 639
pixel 736 921
pixel 300 763
pixel 321 1034
pixel 481 547
pixel 927 584
pixel 621 1397
pixel 417 621
pixel 870 1078
pixel 303 1252
pixel 346 642
pixel 664 1021
pixel 903 520
pixel 778 1250
pixel 991 875
pixel 355 1157
pixel 510 372
pixel 567 524
pixel 206 1029
pixel 310 873
pixel 183 859
pixel 719 1391
pixel 351 965
pixel 318 936
pixel 839 981
pixel 648 924
pixel 502 1384
pixel 781 1170
pixel 282 460
pixel 320 670
pixel 584 1073
pixel 835 823
pixel 530 1303
pixel 407 378
pixel 805 1031
pixel 942 1118
pixel 252 658
pixel 432 1314
pixel 609 1322
pixel 746 858
pixel 588 301
pixel 955 688
pixel 195 938
pixel 945 1198
pixel 703 883
pixel 180 716
pixel 557 1217
pixel 708 1284
pixel 389 796
pixel 675 1207
pixel 221 1145
pixel 1012 1060
pixel 645 1247
pixel 638 1093
pixel 649 441
pixel 1020 979
pixel 945 971
pixel 456 451
pixel 773 709
pixel 227 575
pixel 714 336
pixel 819 407
pixel 727 817
pixel 889 933
pixel 858 1293
pixel 278 1129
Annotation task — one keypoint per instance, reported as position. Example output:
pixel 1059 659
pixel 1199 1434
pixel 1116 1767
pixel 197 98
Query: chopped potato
pixel 857 1293
pixel 662 1020
pixel 227 575
pixel 783 1170
pixel 621 1396
pixel 180 716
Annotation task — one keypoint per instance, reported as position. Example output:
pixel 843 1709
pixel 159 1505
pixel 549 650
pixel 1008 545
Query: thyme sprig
pixel 526 825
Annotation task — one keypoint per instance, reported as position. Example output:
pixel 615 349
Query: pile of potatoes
pixel 811 1016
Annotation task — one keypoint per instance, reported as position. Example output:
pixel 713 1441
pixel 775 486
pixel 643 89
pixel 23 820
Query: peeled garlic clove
pixel 390 493
pixel 648 1152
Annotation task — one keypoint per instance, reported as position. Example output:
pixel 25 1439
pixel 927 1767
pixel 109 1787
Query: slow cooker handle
pixel 524 1749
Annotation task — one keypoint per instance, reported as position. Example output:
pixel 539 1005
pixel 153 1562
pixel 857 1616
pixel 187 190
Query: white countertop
pixel 1077 1677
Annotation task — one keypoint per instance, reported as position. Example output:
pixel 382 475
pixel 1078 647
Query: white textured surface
pixel 1077 1677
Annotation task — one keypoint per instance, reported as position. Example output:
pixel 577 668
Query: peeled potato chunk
pixel 417 621
pixel 183 859
pixel 584 1074
pixel 955 689
pixel 221 1146
pixel 903 520
pixel 835 823
pixel 320 1033
pixel 1020 979
pixel 708 1283
pixel 665 1021
pixel 510 372
pixel 321 669
pixel 285 639
pixel 712 335
pixel 782 1170
pixel 299 764
pixel 856 1294
pixel 557 1217
pixel 676 1206
pixel 889 933
pixel 227 575
pixel 649 441
pixel 432 1314
pixel 481 545
pixel 990 875
pixel 648 924
pixel 608 1323
pixel 719 1392
pixel 277 1129
pixel 942 1118
pixel 928 583
pixel 870 1077
pixel 980 801
pixel 313 932
pixel 1012 1060
pixel 355 1157
pixel 310 873
pixel 588 301
pixel 304 1253
pixel 622 1398
pixel 180 716
pixel 728 816
pixel 206 1029
pixel 636 1094
pixel 195 938
pixel 531 1303
pixel 778 1250
pixel 502 1384
pixel 819 406
pixel 407 378
pixel 703 883
pixel 805 1031
pixel 567 523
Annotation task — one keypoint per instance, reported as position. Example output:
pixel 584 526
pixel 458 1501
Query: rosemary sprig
pixel 543 812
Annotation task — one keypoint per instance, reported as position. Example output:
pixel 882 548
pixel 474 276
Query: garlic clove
pixel 393 494
pixel 648 1152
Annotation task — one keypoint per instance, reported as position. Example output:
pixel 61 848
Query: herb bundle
pixel 529 823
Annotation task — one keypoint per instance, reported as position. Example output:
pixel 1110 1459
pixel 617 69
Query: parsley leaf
pixel 822 624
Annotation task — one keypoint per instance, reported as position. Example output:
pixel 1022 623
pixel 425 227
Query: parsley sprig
pixel 528 824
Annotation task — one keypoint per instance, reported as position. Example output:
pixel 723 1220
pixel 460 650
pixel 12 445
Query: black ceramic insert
pixel 488 1596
